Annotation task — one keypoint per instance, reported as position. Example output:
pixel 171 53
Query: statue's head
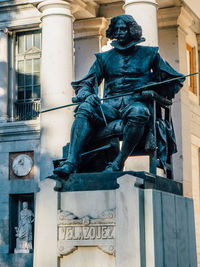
pixel 25 205
pixel 125 29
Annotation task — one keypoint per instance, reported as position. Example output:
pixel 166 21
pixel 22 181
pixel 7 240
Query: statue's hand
pixel 93 99
pixel 81 96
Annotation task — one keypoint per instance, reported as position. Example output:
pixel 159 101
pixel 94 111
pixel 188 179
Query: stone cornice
pixel 79 8
pixel 168 3
pixel 167 17
pixel 27 23
pixel 185 19
pixel 10 131
pixel 195 24
pixel 178 16
pixel 90 27
pixel 82 9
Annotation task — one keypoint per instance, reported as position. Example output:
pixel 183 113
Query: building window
pixel 28 54
pixel 191 67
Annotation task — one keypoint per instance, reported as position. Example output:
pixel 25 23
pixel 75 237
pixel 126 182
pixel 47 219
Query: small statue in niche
pixel 124 68
pixel 24 230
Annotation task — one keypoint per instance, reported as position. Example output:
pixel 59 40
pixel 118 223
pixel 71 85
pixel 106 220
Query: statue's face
pixel 121 32
pixel 25 205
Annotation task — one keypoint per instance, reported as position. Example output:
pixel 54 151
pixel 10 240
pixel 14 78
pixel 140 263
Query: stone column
pixel 56 76
pixel 145 13
pixel 3 75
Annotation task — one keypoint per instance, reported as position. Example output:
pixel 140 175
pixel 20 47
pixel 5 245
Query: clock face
pixel 22 165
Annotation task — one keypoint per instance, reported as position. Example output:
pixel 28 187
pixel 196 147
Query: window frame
pixel 29 54
pixel 13 104
pixel 191 52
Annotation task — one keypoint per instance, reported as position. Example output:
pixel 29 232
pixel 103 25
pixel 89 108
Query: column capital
pixel 55 7
pixel 90 27
pixel 185 20
pixel 132 2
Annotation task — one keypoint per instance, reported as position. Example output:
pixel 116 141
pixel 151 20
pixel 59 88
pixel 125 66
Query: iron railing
pixel 27 110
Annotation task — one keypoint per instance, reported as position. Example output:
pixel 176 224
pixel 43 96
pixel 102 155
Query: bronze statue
pixel 124 68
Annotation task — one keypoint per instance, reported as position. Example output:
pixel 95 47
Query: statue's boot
pixel 132 135
pixel 80 132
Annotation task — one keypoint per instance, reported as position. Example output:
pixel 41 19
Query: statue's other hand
pixel 93 99
pixel 81 96
pixel 75 99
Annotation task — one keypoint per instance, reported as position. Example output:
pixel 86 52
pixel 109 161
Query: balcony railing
pixel 27 110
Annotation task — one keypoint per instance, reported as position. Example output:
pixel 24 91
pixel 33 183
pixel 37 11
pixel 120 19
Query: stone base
pixel 127 226
pixel 23 251
pixel 108 181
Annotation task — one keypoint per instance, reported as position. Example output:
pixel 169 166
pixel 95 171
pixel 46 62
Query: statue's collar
pixel 116 45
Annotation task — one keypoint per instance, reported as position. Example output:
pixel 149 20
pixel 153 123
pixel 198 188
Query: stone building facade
pixel 44 45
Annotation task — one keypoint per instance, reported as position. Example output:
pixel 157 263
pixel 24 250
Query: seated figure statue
pixel 124 68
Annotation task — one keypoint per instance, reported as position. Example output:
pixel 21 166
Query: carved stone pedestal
pixel 123 227
pixel 23 251
pixel 23 247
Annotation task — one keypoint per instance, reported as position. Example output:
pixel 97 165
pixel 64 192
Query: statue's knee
pixel 85 109
pixel 136 120
pixel 137 114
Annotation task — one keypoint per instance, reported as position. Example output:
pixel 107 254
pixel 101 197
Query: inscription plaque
pixel 74 232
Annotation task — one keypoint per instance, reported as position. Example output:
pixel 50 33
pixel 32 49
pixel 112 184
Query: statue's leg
pixel 132 135
pixel 80 133
pixel 87 118
pixel 135 122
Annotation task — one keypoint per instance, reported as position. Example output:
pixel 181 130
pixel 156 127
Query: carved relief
pixel 86 231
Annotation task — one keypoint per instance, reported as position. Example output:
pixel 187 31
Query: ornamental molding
pixel 20 130
pixel 188 20
pixel 167 17
pixel 198 41
pixel 74 232
pixel 178 16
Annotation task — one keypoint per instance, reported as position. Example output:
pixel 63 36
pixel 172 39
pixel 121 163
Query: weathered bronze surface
pixel 124 68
